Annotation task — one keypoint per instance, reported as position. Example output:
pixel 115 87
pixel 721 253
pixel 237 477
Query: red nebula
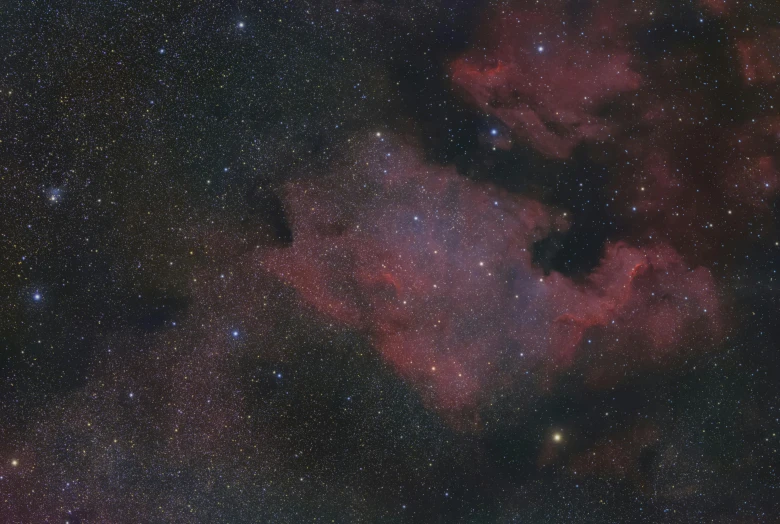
pixel 752 177
pixel 559 81
pixel 760 57
pixel 546 81
pixel 438 271
pixel 717 7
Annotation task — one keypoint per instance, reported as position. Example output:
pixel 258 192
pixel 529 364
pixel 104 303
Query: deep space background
pixel 389 261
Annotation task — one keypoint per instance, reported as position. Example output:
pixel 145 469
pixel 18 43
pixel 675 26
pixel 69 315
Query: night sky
pixel 407 261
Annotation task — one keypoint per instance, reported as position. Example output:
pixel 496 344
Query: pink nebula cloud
pixel 439 272
pixel 545 80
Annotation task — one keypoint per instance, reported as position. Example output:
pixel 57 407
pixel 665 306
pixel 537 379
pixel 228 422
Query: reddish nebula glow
pixel 717 7
pixel 760 57
pixel 546 87
pixel 438 271
pixel 752 177
pixel 559 81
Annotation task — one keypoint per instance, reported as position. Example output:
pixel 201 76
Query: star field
pixel 389 262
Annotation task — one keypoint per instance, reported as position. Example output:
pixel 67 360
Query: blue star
pixel 37 297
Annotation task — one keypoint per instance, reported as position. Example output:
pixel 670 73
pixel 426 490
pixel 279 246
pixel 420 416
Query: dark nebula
pixel 410 261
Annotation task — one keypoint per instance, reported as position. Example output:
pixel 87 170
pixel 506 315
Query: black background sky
pixel 195 326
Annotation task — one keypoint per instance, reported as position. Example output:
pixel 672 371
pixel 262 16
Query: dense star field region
pixel 410 261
